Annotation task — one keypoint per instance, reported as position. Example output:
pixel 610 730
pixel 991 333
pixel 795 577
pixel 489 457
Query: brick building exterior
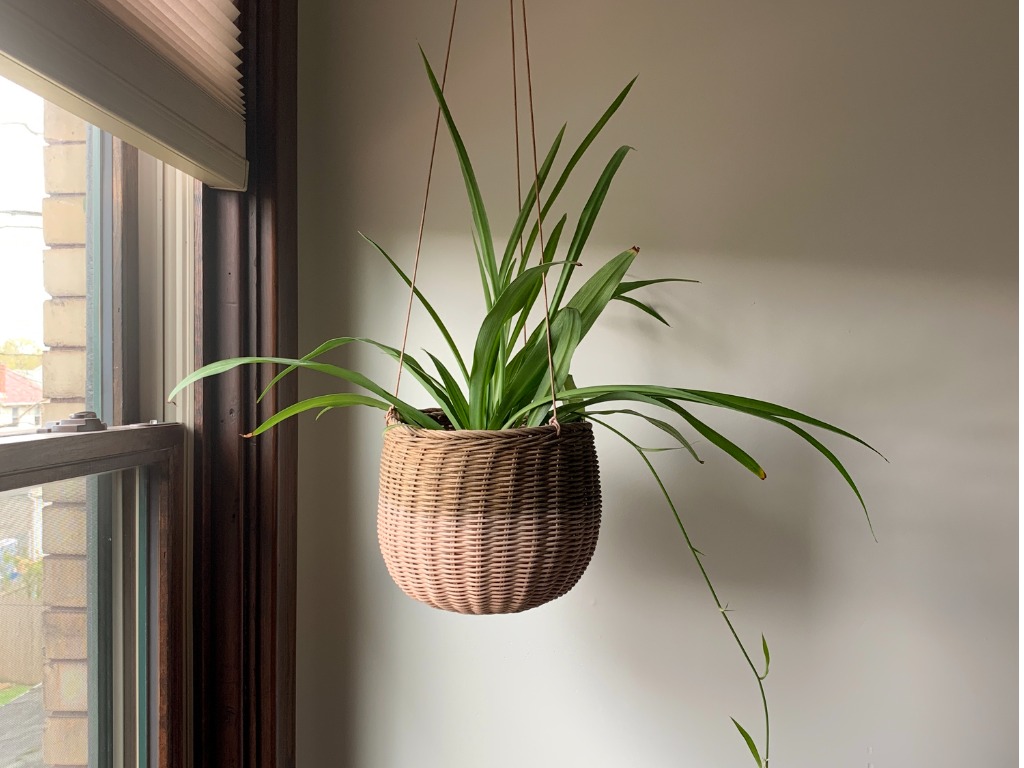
pixel 65 580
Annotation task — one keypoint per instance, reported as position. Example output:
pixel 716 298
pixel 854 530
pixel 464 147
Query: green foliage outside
pixel 20 354
pixel 29 572
pixel 10 692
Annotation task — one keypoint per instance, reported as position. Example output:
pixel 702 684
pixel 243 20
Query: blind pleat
pixel 161 74
pixel 194 35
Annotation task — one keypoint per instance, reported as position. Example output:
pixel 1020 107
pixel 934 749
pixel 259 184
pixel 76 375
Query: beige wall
pixel 841 178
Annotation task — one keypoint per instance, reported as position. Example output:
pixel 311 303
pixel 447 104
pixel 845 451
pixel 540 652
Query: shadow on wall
pixel 816 132
pixel 835 174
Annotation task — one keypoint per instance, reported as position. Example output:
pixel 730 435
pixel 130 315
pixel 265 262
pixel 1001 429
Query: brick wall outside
pixel 64 586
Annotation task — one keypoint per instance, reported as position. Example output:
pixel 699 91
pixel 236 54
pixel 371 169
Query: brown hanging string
pixel 515 112
pixel 536 183
pixel 540 227
pixel 423 213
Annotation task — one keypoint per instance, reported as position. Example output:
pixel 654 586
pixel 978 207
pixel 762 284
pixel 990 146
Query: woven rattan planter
pixel 476 521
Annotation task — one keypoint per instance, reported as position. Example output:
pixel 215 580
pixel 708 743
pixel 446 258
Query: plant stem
pixel 707 579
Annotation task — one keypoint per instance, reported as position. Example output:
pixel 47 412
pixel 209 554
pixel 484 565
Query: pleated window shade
pixel 160 74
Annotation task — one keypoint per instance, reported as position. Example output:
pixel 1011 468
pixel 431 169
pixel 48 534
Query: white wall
pixel 841 178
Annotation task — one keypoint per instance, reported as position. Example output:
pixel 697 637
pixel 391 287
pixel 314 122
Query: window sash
pixel 158 449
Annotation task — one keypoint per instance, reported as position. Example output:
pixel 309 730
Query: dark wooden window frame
pixel 244 545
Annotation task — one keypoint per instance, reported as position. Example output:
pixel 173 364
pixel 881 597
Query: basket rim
pixel 393 421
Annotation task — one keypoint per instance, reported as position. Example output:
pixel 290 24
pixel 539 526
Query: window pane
pixel 91 317
pixel 68 638
pixel 45 239
pixel 21 248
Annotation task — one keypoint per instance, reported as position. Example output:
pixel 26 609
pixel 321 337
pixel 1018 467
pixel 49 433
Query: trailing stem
pixel 722 609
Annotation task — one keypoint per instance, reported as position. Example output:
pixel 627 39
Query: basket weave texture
pixel 488 521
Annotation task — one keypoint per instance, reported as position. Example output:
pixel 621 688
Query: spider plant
pixel 506 382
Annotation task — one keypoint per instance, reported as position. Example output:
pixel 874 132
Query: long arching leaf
pixel 718 440
pixel 647 308
pixel 586 222
pixel 476 202
pixel 824 451
pixel 437 391
pixel 526 371
pixel 341 341
pixel 528 209
pixel 549 254
pixel 564 345
pixel 507 305
pixel 663 395
pixel 632 285
pixel 576 156
pixel 410 413
pixel 593 296
pixel 664 426
pixel 459 405
pixel 427 306
pixel 323 402
pixel 761 408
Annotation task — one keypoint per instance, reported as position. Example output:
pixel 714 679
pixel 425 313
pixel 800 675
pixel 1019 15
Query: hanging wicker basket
pixel 488 521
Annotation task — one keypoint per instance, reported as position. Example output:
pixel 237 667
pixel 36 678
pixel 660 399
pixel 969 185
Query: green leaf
pixel 824 451
pixel 325 402
pixel 438 393
pixel 476 203
pixel 564 343
pixel 633 285
pixel 549 254
pixel 323 348
pixel 577 155
pixel 427 306
pixel 586 222
pixel 429 383
pixel 527 370
pixel 593 296
pixel 411 414
pixel 528 209
pixel 506 305
pixel 663 395
pixel 750 743
pixel 718 440
pixel 482 268
pixel 767 657
pixel 758 408
pixel 606 393
pixel 762 408
pixel 664 426
pixel 642 307
pixel 460 408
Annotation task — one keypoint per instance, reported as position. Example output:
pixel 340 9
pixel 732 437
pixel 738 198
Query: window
pixel 241 707
pixel 88 325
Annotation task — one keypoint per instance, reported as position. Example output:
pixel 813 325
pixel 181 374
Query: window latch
pixel 83 421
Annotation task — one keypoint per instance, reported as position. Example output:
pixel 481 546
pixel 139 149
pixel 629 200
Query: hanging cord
pixel 540 228
pixel 515 112
pixel 423 213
